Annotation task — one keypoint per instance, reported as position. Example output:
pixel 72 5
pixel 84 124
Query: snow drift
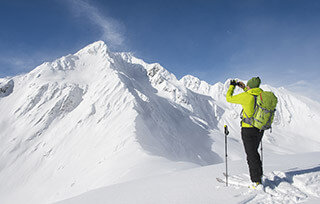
pixel 97 118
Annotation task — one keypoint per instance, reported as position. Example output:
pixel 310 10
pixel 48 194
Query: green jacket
pixel 246 99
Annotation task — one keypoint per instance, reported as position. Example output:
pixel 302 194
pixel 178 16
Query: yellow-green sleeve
pixel 238 99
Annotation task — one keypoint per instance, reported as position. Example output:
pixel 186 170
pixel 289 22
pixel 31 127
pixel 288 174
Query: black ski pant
pixel 251 138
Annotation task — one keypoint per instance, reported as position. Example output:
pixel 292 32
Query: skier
pixel 251 136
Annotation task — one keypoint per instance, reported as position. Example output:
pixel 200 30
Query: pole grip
pixel 226 131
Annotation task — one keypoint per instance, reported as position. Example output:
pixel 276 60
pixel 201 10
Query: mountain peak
pixel 95 48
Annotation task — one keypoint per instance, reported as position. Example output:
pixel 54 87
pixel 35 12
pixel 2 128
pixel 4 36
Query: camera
pixel 234 82
pixel 237 83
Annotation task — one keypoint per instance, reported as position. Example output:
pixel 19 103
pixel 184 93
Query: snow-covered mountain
pixel 97 118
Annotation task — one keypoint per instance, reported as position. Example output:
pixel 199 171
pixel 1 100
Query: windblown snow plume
pixel 112 30
pixel 97 118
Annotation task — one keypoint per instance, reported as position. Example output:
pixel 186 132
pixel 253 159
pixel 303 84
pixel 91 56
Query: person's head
pixel 254 82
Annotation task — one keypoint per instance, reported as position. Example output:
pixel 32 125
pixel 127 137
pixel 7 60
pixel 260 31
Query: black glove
pixel 233 82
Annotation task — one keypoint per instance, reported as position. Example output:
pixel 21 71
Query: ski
pixel 229 184
pixel 234 181
pixel 220 180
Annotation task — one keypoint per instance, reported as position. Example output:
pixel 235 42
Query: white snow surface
pixel 106 127
pixel 199 185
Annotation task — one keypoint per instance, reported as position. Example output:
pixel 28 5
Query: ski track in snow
pixel 293 186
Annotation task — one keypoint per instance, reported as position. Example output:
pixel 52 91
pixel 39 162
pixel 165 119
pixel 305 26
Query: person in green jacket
pixel 251 136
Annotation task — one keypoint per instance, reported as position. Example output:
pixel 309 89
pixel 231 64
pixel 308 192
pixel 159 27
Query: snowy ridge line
pixel 97 118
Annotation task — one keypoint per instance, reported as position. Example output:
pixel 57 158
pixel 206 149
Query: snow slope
pixel 289 184
pixel 97 118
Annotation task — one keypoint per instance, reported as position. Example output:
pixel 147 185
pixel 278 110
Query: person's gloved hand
pixel 233 82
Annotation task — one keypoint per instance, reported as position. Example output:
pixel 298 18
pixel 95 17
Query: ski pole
pixel 226 132
pixel 261 156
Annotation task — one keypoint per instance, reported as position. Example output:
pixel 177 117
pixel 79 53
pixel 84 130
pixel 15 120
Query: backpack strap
pixel 247 119
pixel 261 97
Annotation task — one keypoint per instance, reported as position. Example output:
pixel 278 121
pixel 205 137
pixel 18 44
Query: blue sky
pixel 210 39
